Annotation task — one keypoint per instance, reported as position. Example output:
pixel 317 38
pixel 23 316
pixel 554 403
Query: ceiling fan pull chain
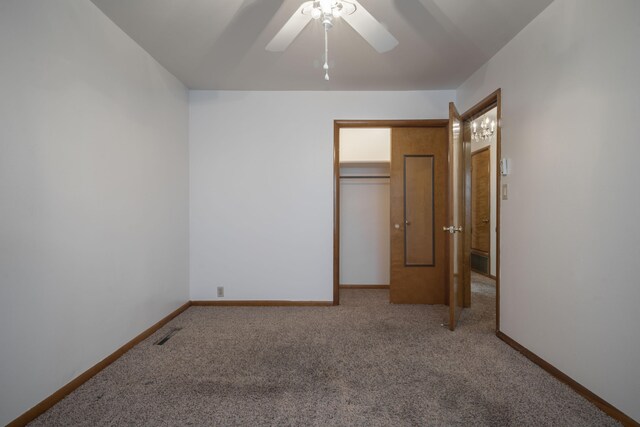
pixel 326 51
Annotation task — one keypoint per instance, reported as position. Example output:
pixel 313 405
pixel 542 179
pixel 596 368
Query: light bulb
pixel 337 13
pixel 316 13
pixel 325 5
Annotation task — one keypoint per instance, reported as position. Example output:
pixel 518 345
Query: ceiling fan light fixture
pixel 326 6
pixel 336 9
pixel 326 11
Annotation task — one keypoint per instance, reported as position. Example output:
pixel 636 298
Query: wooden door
pixel 418 210
pixel 456 227
pixel 480 202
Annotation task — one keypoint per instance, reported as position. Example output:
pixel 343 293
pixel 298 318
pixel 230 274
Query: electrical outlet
pixel 220 291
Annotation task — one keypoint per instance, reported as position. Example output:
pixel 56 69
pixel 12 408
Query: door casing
pixel 492 100
pixel 486 104
pixel 337 125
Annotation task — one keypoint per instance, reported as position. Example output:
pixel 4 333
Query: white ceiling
pixel 220 44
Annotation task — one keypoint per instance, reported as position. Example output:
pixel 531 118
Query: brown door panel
pixel 480 201
pixel 456 196
pixel 418 210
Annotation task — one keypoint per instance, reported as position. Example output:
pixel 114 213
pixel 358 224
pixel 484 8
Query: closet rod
pixel 364 176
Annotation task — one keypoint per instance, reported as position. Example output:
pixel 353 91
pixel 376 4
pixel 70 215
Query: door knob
pixel 485 220
pixel 453 229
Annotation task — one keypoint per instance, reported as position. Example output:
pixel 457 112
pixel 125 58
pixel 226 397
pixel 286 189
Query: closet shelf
pixel 365 162
pixel 364 176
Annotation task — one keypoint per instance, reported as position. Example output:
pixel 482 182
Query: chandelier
pixel 486 130
pixel 327 11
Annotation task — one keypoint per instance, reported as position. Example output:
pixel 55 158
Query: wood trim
pixel 483 106
pixel 489 102
pixel 260 303
pixel 498 96
pixel 364 286
pixel 603 405
pixel 365 177
pixel 57 396
pixel 480 150
pixel 481 253
pixel 466 139
pixel 336 213
pixel 390 123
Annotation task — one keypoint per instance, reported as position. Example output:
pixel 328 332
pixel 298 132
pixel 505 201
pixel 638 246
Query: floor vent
pixel 480 263
pixel 168 335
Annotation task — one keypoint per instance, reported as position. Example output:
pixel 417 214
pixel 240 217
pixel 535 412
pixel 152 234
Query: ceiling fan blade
pixel 370 29
pixel 290 30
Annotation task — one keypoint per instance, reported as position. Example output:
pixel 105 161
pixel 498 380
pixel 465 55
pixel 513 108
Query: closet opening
pixel 364 174
pixel 373 188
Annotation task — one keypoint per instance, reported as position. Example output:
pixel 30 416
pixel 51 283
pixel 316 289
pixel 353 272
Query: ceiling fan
pixel 326 11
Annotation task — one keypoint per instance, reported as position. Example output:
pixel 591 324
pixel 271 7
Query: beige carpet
pixel 364 363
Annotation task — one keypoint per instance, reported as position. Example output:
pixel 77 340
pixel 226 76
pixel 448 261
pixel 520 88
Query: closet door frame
pixel 340 124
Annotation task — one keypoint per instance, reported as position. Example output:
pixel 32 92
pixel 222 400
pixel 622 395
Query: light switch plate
pixel 505 192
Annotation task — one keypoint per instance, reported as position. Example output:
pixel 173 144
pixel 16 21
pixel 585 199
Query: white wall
pixel 365 145
pixel 93 195
pixel 365 242
pixel 493 165
pixel 570 239
pixel 262 186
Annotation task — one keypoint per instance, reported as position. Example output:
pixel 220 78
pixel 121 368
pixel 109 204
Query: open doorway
pixel 484 194
pixel 482 132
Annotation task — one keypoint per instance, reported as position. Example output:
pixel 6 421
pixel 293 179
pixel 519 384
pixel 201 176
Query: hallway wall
pixel 570 241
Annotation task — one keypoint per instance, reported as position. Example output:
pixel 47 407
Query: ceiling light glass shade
pixel 335 9
pixel 326 11
pixel 326 6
